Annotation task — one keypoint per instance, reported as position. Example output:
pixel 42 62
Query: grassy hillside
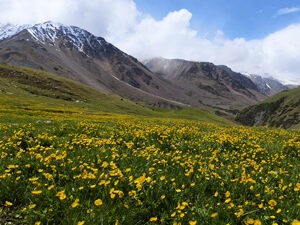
pixel 280 110
pixel 26 90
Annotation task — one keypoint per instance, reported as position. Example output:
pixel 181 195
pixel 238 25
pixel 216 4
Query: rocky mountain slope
pixel 76 54
pixel 217 86
pixel 280 110
pixel 268 85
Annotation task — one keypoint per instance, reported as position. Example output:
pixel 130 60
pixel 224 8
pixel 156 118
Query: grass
pixel 106 161
pixel 118 169
pixel 293 94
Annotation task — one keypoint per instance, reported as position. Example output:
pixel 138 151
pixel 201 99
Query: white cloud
pixel 99 16
pixel 277 55
pixel 285 11
pixel 141 35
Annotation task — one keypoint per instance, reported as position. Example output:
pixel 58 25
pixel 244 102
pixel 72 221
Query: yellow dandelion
pixel 32 206
pixel 227 194
pixel 250 221
pixel 278 211
pixel 7 203
pixel 153 219
pixel 296 222
pixel 257 222
pixel 214 215
pixel 272 202
pixel 61 195
pixel 36 192
pixel 98 202
pixel 227 200
pixel 75 203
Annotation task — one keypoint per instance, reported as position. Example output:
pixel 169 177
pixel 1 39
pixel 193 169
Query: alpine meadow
pixel 128 112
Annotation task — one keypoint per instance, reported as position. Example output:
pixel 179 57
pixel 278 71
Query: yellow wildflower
pixel 257 222
pixel 75 203
pixel 214 215
pixel 296 222
pixel 153 219
pixel 7 203
pixel 272 202
pixel 98 202
pixel 227 194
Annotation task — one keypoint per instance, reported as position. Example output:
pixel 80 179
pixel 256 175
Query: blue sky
pixel 250 19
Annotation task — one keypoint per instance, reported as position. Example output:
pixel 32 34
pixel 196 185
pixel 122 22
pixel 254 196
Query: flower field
pixel 87 169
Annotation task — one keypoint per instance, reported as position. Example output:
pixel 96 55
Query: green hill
pixel 25 90
pixel 281 110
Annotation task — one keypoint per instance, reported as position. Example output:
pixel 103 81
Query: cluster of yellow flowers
pixel 124 170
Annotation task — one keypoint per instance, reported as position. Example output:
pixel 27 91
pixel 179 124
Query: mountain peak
pixel 8 30
pixel 51 32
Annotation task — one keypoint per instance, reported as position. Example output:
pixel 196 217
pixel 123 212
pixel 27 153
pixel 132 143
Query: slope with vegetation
pixel 23 89
pixel 281 110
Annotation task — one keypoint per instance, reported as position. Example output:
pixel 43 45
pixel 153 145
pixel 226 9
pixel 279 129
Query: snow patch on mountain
pixel 49 32
pixel 9 30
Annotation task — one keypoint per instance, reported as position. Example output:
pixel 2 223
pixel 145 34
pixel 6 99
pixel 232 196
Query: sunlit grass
pixel 112 169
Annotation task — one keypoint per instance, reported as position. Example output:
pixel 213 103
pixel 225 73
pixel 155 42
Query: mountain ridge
pixel 77 54
pixel 213 85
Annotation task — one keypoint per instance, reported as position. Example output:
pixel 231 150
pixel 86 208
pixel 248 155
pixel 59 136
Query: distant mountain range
pixel 268 85
pixel 77 54
pixel 212 85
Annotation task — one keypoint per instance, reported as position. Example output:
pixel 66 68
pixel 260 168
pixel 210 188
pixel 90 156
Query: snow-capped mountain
pixel 77 54
pixel 8 30
pixel 268 85
pixel 49 33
